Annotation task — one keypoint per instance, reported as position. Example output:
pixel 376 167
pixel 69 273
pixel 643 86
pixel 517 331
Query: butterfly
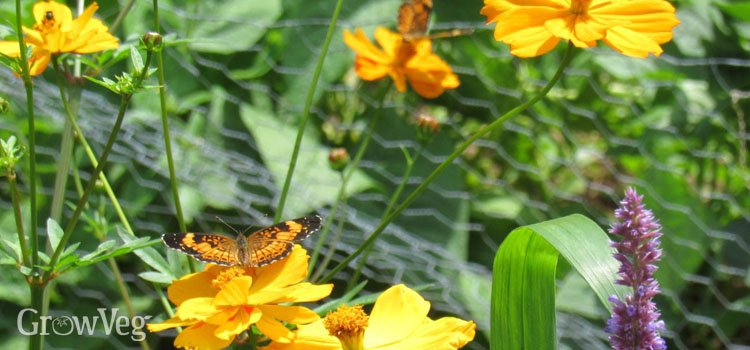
pixel 260 248
pixel 414 17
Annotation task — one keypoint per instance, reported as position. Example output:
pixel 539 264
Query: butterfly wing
pixel 275 242
pixel 413 18
pixel 217 249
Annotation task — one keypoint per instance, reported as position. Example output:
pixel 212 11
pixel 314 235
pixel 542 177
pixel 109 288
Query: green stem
pixel 89 152
pixel 89 187
pixel 164 301
pixel 349 171
pixel 19 219
pixel 167 139
pixel 336 238
pixel 448 161
pixel 66 147
pixel 306 111
pixel 121 16
pixel 410 161
pixel 37 287
pixel 25 75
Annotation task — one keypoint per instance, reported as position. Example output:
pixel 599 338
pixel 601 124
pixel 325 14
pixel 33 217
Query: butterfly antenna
pixel 227 225
pixel 247 229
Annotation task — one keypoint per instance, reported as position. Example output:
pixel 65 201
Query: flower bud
pixel 427 127
pixel 338 158
pixel 4 105
pixel 152 41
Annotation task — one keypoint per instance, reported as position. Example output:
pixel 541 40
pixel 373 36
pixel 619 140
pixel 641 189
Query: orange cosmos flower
pixel 56 32
pixel 398 321
pixel 532 28
pixel 221 302
pixel 402 59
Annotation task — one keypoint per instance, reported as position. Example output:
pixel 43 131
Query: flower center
pixel 404 52
pixel 49 24
pixel 579 7
pixel 348 324
pixel 228 274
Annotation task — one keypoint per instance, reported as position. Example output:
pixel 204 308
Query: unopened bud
pixel 427 127
pixel 152 41
pixel 338 158
pixel 4 105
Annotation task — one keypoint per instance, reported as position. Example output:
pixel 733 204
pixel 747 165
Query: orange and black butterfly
pixel 414 18
pixel 260 248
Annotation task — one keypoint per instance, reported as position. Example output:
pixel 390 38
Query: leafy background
pixel 674 127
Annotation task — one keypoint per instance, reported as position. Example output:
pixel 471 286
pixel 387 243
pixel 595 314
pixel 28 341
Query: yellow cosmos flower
pixel 220 302
pixel 56 32
pixel 402 59
pixel 532 28
pixel 398 321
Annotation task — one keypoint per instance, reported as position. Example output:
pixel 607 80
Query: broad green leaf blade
pixel 523 286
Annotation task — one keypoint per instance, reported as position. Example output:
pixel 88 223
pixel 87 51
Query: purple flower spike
pixel 635 323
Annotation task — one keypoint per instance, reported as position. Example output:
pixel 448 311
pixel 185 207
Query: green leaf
pixel 137 59
pixel 54 233
pixel 156 277
pixel 148 255
pixel 523 285
pixel 104 246
pixel 314 179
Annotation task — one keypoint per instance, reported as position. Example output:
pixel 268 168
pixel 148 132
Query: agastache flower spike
pixel 635 323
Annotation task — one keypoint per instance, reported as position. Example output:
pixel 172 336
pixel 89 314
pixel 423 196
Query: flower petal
pixel 60 13
pixel 290 314
pixel 388 40
pixel 447 333
pixel 308 337
pixel 167 324
pixel 194 285
pixel 287 271
pixel 10 48
pixel 197 309
pixel 300 293
pixel 235 292
pixel 364 47
pixel 397 312
pixel 200 336
pixel 39 63
pixel 274 330
pixel 238 323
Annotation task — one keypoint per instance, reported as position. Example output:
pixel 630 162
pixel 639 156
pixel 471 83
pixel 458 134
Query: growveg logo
pixel 84 325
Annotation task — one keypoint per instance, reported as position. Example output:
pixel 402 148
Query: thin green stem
pixel 336 238
pixel 120 16
pixel 89 187
pixel 36 286
pixel 167 139
pixel 410 161
pixel 26 76
pixel 457 152
pixel 19 219
pixel 90 153
pixel 164 301
pixel 348 172
pixel 306 111
pixel 66 148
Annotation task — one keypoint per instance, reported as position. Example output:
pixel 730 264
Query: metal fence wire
pixel 672 126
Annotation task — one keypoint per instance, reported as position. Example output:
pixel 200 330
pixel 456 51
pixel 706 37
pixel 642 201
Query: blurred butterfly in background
pixel 260 248
pixel 414 18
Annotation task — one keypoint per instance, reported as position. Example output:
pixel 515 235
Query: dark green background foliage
pixel 674 127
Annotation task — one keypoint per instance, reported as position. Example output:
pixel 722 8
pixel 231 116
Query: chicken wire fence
pixel 591 138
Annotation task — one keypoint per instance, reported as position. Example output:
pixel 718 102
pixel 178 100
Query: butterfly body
pixel 260 248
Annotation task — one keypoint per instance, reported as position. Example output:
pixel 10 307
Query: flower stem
pixel 89 187
pixel 306 111
pixel 349 171
pixel 26 76
pixel 410 161
pixel 19 219
pixel 66 148
pixel 336 238
pixel 458 151
pixel 167 139
pixel 89 152
pixel 120 16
